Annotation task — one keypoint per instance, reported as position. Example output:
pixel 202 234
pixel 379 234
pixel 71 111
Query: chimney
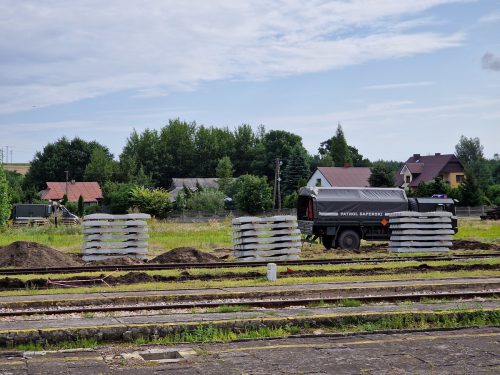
pixel 73 182
pixel 437 154
pixel 416 156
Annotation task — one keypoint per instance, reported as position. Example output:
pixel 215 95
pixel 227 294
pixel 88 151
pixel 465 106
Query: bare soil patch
pixel 185 255
pixel 473 245
pixel 27 254
pixel 122 261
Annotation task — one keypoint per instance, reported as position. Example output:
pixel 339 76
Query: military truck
pixel 342 217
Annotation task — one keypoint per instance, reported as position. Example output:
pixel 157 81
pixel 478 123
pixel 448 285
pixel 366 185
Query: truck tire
pixel 327 242
pixel 349 240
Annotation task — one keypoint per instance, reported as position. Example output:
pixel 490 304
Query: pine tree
pixel 297 168
pixel 81 208
pixel 340 152
pixel 4 198
pixel 470 191
pixel 381 176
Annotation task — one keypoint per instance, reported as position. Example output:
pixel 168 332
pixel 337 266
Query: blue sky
pixel 402 77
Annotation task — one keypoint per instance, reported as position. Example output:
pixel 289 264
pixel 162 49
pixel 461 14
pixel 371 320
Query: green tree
pixel 140 161
pixel 252 194
pixel 64 200
pixel 244 151
pixel 81 207
pixel 357 159
pixel 469 190
pixel 469 150
pixel 117 197
pixel 290 200
pixel 338 148
pixel 210 200
pixel 15 181
pixel 297 168
pixel 381 176
pixel 100 168
pixel 5 207
pixel 58 157
pixel 224 173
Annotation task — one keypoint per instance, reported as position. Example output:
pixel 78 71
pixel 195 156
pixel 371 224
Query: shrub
pixel 206 200
pixel 252 194
pixel 156 202
pixel 117 197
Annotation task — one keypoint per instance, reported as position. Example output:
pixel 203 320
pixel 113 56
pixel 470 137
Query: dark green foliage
pixel 296 170
pixel 470 191
pixel 5 203
pixel 290 200
pixel 92 209
pixel 72 207
pixel 339 149
pixel 357 159
pixel 252 194
pixel 275 144
pixel 117 197
pixel 101 167
pixel 62 155
pixel 81 208
pixel 428 189
pixel 493 195
pixel 381 176
pixel 15 181
pixel 64 200
pixel 245 141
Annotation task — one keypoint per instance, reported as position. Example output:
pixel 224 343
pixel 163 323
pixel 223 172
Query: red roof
pixel 346 176
pixel 429 167
pixel 90 191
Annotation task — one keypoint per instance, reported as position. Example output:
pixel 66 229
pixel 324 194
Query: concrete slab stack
pixel 420 231
pixel 266 239
pixel 112 236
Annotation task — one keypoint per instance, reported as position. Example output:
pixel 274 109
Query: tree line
pixel 242 158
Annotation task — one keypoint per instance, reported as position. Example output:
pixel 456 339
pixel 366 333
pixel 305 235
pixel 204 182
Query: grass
pixel 209 236
pixel 355 324
pixel 203 284
pixel 228 309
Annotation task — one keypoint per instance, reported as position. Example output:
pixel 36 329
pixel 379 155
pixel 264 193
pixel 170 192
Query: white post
pixel 272 273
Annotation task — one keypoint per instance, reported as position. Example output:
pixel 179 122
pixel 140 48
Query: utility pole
pixel 277 184
pixel 67 173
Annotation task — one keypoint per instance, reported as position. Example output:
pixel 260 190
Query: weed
pixel 88 315
pixel 228 309
pixel 348 302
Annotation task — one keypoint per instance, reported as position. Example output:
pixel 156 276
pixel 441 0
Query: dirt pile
pixel 28 254
pixel 473 245
pixel 185 255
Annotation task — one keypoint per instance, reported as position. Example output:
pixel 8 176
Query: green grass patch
pixel 478 230
pixel 228 309
pixel 348 302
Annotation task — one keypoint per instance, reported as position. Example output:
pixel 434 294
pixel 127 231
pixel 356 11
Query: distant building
pixel 418 169
pixel 90 191
pixel 192 184
pixel 340 177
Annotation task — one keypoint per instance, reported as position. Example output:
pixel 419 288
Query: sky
pixel 401 77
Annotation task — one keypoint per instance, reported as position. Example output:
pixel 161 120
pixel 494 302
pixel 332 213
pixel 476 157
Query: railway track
pixel 169 266
pixel 257 303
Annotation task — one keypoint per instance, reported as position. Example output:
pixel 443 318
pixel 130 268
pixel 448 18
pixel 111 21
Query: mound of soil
pixel 185 255
pixel 473 245
pixel 28 254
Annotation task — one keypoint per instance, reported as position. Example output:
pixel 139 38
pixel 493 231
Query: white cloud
pixel 399 85
pixel 490 18
pixel 57 51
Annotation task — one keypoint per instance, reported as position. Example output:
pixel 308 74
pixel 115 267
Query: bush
pixel 93 209
pixel 290 200
pixel 117 197
pixel 211 200
pixel 156 202
pixel 72 207
pixel 252 194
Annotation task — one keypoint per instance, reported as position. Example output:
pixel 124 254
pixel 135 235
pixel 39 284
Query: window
pixel 407 179
pixel 459 178
pixel 318 182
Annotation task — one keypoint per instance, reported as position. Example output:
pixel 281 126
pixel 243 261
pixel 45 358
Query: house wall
pixel 314 178
pixel 451 178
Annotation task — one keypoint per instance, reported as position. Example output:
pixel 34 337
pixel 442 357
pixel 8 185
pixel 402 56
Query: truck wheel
pixel 349 240
pixel 327 242
pixel 413 205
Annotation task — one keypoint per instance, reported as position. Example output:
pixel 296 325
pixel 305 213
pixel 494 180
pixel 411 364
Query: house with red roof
pixel 90 191
pixel 418 169
pixel 340 177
